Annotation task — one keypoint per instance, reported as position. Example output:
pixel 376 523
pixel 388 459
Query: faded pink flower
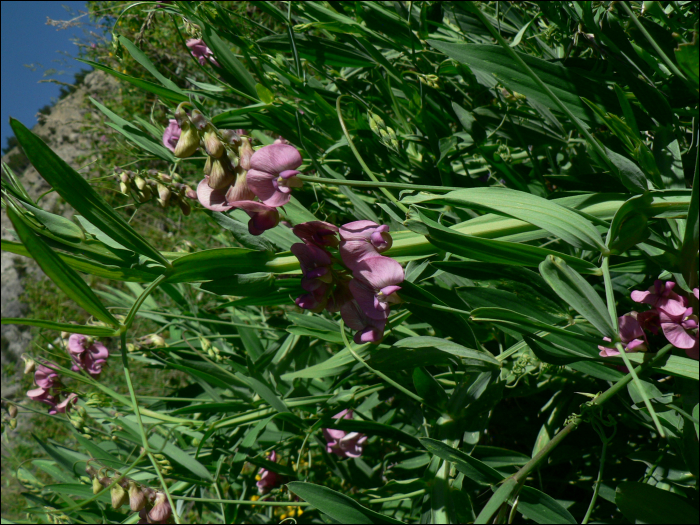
pixel 631 335
pixel 201 52
pixel 318 233
pixel 161 511
pixel 262 217
pixel 171 135
pixel 375 285
pixel 272 173
pixel 361 240
pixel 87 354
pixel 341 443
pixel 267 479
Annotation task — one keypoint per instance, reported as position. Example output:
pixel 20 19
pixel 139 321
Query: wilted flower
pixel 272 173
pixel 201 52
pixel 137 499
pixel 161 510
pixel 344 444
pixel 361 240
pixel 318 233
pixel 375 285
pixel 267 479
pixel 368 330
pixel 87 354
pixel 631 335
pixel 171 135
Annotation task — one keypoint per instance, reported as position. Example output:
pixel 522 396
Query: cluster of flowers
pixel 669 314
pixel 169 190
pixel 152 505
pixel 364 298
pixel 339 442
pixel 86 353
pixel 234 175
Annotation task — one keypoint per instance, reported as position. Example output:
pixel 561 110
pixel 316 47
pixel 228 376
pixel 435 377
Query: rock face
pixel 61 131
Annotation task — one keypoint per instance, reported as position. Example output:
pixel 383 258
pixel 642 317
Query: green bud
pixel 96 486
pixel 222 175
pixel 119 496
pixel 212 144
pixel 188 142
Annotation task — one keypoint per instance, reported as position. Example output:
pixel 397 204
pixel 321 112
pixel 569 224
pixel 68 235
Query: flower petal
pixel 211 199
pixel 366 299
pixel 378 272
pixel 276 158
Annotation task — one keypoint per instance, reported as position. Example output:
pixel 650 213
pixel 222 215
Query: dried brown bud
pixel 245 151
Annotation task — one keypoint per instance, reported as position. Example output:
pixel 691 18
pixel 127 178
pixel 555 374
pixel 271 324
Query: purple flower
pixel 368 330
pixel 272 173
pixel 48 383
pixel 679 329
pixel 87 354
pixel 361 240
pixel 341 443
pixel 661 295
pixel 318 233
pixel 631 335
pixel 315 264
pixel 171 135
pixel 201 52
pixel 267 479
pixel 375 285
pixel 262 217
pixel 44 377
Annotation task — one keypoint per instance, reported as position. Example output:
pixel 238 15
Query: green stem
pixel 609 292
pixel 641 389
pixel 377 184
pixel 142 430
pixel 359 158
pixel 669 63
pixel 596 487
pixel 246 502
pixel 144 295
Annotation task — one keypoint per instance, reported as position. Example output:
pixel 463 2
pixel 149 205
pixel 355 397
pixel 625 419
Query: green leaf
pixel 627 171
pixel 317 50
pixel 576 292
pixel 491 64
pixel 228 60
pixel 217 263
pixel 338 506
pixel 548 215
pixel 98 331
pixel 59 272
pixel 646 504
pixel 177 454
pixel 555 354
pixel 142 59
pixel 242 285
pixel 503 494
pixel 688 58
pixel 241 234
pixel 491 250
pixel 57 224
pixel 440 346
pixel 75 190
pixel 541 508
pixel 472 468
pixel 145 85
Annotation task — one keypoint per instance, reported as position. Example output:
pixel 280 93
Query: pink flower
pixel 44 377
pixel 48 392
pixel 318 233
pixel 201 52
pixel 375 285
pixel 87 354
pixel 272 173
pixel 368 330
pixel 341 443
pixel 315 264
pixel 661 295
pixel 171 135
pixel 361 240
pixel 631 335
pixel 267 478
pixel 262 217
pixel 679 329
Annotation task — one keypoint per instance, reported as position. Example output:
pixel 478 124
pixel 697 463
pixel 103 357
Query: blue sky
pixel 27 39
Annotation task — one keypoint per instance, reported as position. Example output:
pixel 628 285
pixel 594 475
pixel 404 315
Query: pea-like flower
pixel 661 295
pixel 262 217
pixel 87 354
pixel 267 479
pixel 375 285
pixel 315 264
pixel 361 240
pixel 272 173
pixel 201 52
pixel 344 444
pixel 171 135
pixel 368 330
pixel 319 233
pixel 631 335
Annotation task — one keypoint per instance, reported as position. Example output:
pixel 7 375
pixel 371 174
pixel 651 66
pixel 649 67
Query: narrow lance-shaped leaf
pixel 59 272
pixel 70 185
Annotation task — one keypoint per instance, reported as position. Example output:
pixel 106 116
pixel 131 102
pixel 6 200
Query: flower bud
pixel 245 151
pixel 12 410
pixel 124 177
pixel 230 136
pixel 96 485
pixel 161 510
pixel 119 496
pixel 190 193
pixel 124 188
pixel 137 500
pixel 145 194
pixel 221 176
pixel 212 144
pixel 188 142
pixel 163 177
pixel 198 119
pixel 163 195
pixel 29 365
pixel 185 207
pixel 13 423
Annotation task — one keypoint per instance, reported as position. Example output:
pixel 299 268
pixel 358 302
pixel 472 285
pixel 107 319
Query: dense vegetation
pixel 370 262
